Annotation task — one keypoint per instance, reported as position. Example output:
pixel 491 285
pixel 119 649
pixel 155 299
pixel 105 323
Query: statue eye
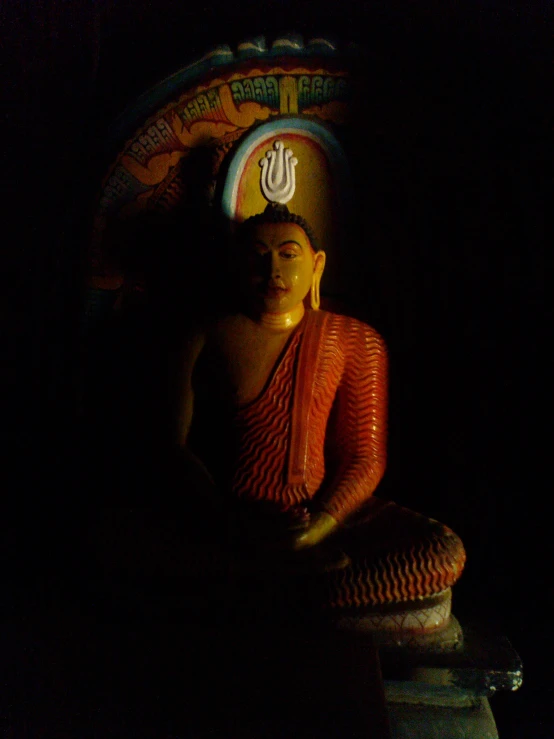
pixel 290 251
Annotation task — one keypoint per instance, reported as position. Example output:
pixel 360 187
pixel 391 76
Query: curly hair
pixel 276 213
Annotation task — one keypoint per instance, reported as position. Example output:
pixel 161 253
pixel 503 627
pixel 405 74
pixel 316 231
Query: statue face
pixel 280 267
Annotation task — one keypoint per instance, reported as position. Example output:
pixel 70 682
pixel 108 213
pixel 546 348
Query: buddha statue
pixel 266 383
pixel 285 407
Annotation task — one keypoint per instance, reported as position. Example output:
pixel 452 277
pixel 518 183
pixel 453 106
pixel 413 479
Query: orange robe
pixel 317 432
pixel 316 438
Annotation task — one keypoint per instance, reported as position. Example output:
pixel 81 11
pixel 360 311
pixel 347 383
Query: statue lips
pixel 275 289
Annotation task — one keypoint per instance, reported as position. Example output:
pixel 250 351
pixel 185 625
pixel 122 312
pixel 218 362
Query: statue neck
pixel 282 321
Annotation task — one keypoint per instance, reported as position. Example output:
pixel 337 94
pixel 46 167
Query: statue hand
pixel 321 525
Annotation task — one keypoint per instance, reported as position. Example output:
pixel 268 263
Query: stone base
pixel 481 665
pixel 436 693
pixel 420 721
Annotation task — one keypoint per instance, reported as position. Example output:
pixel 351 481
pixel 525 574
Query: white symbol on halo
pixel 277 179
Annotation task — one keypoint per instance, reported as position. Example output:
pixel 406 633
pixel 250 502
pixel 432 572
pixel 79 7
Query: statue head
pixel 281 262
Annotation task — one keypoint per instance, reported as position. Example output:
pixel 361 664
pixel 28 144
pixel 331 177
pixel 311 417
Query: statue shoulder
pixel 208 332
pixel 353 331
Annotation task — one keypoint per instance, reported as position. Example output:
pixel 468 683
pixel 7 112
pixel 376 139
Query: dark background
pixel 454 134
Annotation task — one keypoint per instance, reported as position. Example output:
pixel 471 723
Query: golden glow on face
pixel 280 267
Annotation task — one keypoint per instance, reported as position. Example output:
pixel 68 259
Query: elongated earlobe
pixel 319 266
pixel 314 293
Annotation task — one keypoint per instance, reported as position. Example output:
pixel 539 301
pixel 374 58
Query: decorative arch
pixel 210 110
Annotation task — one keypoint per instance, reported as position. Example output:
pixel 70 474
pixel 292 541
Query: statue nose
pixel 275 266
